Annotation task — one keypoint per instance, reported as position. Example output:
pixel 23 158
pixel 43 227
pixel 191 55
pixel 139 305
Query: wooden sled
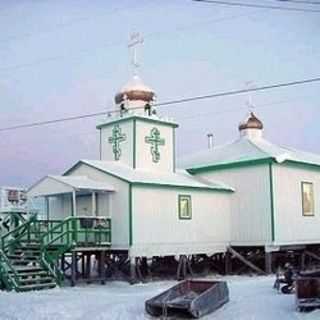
pixel 190 298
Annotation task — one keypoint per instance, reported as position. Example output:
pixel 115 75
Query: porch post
pixel 47 205
pixel 94 204
pixel 74 203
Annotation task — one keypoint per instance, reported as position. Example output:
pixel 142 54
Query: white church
pixel 246 194
pixel 250 193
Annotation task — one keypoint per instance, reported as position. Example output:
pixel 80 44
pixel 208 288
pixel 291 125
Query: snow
pixel 246 149
pixel 251 298
pixel 180 178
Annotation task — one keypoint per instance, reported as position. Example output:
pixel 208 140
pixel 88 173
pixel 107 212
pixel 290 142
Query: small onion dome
pixel 252 122
pixel 135 90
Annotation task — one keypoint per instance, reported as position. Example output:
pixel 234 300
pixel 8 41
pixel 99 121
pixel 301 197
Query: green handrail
pixel 15 235
pixel 10 280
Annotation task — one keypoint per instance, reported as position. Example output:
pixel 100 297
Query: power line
pixel 301 1
pixel 166 103
pixel 260 6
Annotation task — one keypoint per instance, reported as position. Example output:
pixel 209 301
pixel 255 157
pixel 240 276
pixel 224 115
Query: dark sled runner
pixel 191 298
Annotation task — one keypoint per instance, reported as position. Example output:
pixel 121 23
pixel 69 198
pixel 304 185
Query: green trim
pixel 141 118
pixel 238 164
pixel 130 216
pixel 149 184
pixel 174 149
pixel 302 165
pixel 188 198
pixel 155 141
pixel 272 203
pixel 100 146
pixel 134 164
pixel 180 187
pixel 302 198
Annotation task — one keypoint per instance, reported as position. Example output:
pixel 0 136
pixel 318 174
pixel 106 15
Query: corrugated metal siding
pixel 250 203
pixel 291 227
pixel 157 229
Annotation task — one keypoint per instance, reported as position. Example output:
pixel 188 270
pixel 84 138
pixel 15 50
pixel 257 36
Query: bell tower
pixel 136 136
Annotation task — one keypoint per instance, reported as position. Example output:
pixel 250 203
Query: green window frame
pixel 307 197
pixel 185 207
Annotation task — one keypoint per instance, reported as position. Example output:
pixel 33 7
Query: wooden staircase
pixel 25 271
pixel 30 253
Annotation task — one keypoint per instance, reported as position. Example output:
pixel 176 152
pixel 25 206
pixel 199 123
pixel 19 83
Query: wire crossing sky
pixel 171 103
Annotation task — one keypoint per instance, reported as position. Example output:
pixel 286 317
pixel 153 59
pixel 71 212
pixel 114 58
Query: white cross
pixel 134 41
pixel 249 103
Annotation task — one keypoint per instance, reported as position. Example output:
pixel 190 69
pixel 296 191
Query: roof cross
pixel 135 40
pixel 155 140
pixel 116 138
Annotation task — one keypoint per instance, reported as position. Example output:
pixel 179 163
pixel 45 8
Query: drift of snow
pixel 250 299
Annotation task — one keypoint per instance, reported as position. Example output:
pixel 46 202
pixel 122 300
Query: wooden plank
pixel 245 261
pixel 312 254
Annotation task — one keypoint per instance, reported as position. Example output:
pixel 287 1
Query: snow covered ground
pixel 250 299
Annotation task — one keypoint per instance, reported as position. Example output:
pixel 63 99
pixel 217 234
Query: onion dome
pixel 135 90
pixel 252 122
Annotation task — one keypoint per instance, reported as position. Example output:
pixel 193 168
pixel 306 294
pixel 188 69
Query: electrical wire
pixel 165 103
pixel 259 6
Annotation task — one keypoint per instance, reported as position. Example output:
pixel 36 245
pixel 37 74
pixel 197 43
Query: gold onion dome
pixel 135 90
pixel 252 122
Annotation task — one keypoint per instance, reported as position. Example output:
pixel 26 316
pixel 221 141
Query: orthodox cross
pixel 155 140
pixel 116 138
pixel 249 103
pixel 135 40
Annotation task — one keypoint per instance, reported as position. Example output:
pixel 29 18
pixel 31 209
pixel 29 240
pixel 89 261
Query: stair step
pixel 41 280
pixel 38 274
pixel 37 286
pixel 22 257
pixel 28 269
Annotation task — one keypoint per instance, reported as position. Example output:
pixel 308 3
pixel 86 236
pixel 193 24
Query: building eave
pixel 230 165
pixel 141 118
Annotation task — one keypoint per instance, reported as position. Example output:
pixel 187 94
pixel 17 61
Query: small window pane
pixel 185 210
pixel 307 199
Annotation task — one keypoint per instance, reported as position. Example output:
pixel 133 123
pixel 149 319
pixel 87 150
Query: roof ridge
pixel 261 149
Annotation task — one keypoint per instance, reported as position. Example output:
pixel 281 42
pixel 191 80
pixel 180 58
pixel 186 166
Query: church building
pixel 156 209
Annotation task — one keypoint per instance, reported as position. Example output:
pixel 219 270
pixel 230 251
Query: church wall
pixel 144 157
pixel 126 146
pixel 119 203
pixel 291 227
pixel 158 230
pixel 60 206
pixel 250 203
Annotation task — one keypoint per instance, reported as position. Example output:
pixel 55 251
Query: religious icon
pixel 116 138
pixel 307 199
pixel 155 140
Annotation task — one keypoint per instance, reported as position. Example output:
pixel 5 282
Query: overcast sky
pixel 64 58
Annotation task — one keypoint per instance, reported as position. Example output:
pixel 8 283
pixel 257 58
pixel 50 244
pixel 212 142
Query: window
pixel 307 199
pixel 185 208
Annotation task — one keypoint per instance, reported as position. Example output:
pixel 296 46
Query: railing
pixel 79 231
pixel 56 237
pixel 11 238
pixel 8 274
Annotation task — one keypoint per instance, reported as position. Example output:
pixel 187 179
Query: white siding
pixel 60 207
pixel 119 203
pixel 250 203
pixel 157 229
pixel 291 227
pixel 143 149
pixel 125 146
